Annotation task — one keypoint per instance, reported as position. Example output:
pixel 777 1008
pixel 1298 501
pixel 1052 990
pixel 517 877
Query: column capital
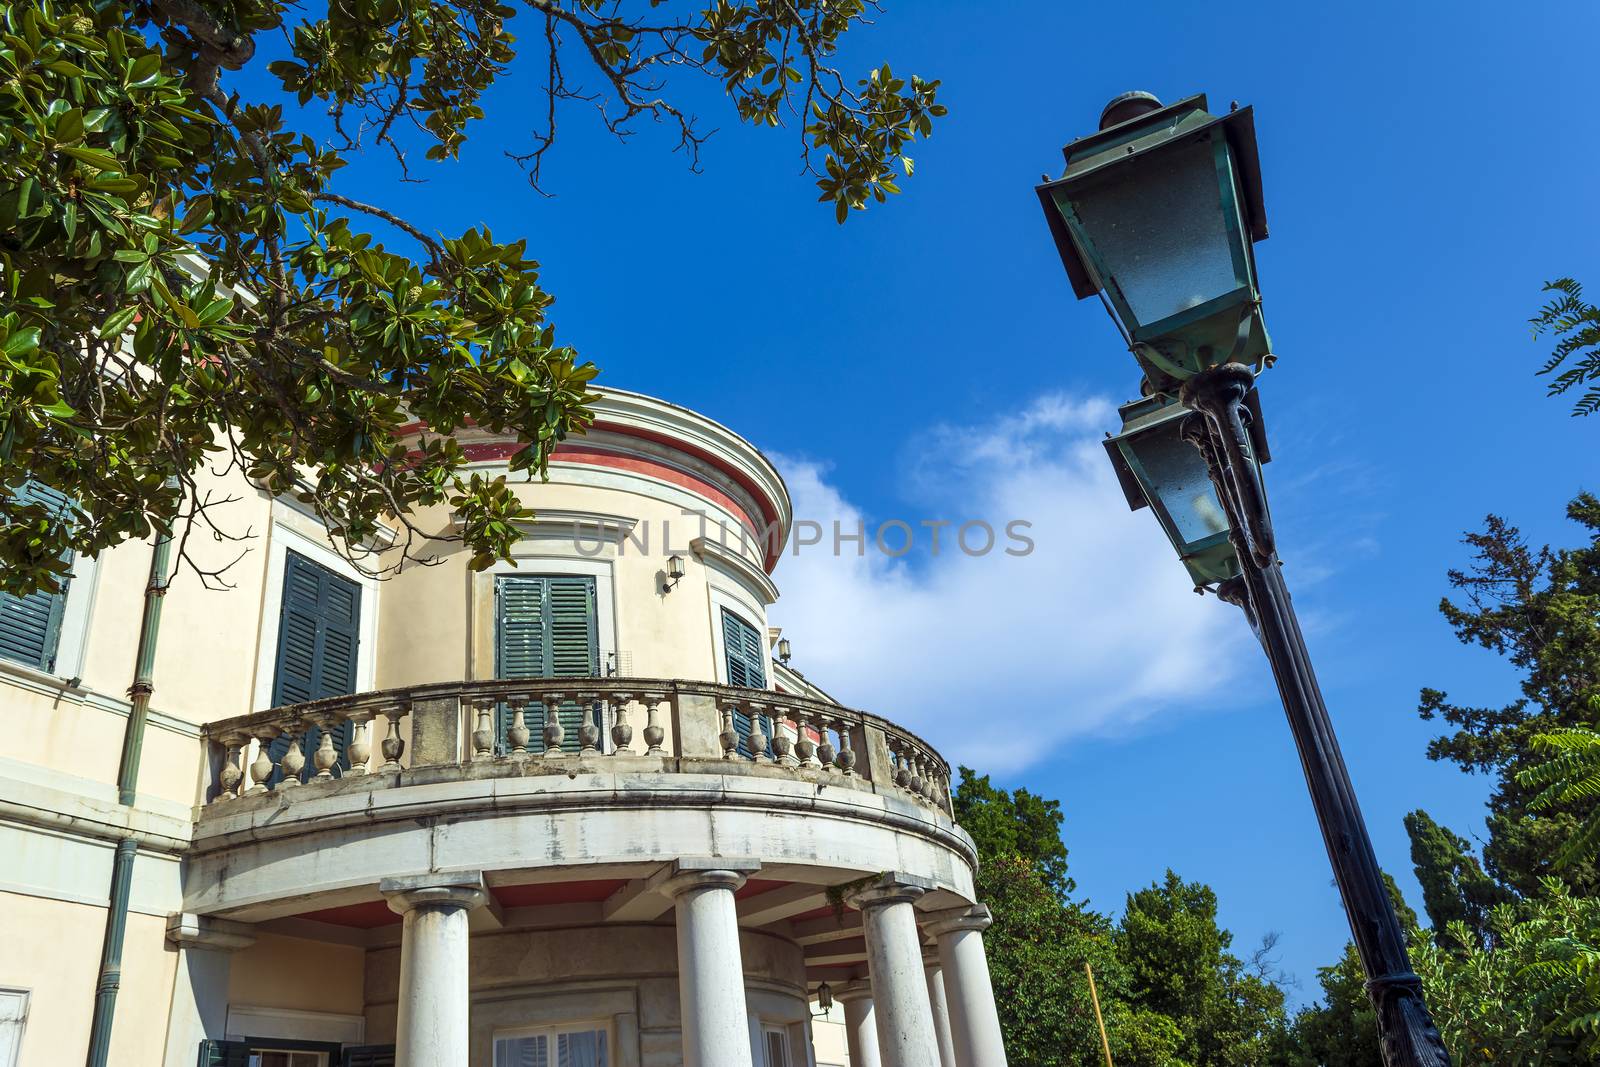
pixel 202 931
pixel 455 889
pixel 894 887
pixel 976 918
pixel 853 991
pixel 696 872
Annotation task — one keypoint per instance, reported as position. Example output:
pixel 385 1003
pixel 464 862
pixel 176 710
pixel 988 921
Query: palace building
pixel 566 811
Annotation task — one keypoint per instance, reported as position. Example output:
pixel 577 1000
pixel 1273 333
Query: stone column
pixel 715 1020
pixel 974 1020
pixel 894 959
pixel 432 1027
pixel 200 988
pixel 860 1028
pixel 941 1010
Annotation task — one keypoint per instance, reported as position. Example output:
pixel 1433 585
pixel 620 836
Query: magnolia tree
pixel 186 289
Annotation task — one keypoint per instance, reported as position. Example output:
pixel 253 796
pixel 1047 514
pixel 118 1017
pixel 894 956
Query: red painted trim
pixel 769 514
pixel 599 457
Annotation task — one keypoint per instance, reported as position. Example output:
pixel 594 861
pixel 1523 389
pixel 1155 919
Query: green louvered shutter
pixel 368 1056
pixel 318 641
pixel 30 626
pixel 224 1054
pixel 547 629
pixel 744 653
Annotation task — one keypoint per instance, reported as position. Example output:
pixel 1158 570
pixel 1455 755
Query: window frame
pixel 71 628
pixel 282 539
pixel 10 1057
pixel 781 1031
pixel 552 1030
pixel 534 719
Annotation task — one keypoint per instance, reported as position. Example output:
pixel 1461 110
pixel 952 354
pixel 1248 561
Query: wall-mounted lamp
pixel 783 652
pixel 674 573
pixel 824 999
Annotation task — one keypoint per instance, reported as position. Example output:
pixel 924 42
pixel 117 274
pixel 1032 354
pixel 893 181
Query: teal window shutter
pixel 319 628
pixel 224 1054
pixel 546 628
pixel 30 626
pixel 745 656
pixel 368 1056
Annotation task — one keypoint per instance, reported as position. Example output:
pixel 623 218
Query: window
pixel 545 628
pixel 746 667
pixel 776 1040
pixel 30 626
pixel 319 627
pixel 265 1052
pixel 285 1058
pixel 13 1017
pixel 562 1046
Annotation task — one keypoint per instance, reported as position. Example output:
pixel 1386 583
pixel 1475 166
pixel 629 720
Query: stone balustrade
pixel 521 726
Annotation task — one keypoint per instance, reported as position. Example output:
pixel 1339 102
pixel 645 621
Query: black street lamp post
pixel 1157 213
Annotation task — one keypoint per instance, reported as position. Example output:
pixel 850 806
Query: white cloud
pixel 999 659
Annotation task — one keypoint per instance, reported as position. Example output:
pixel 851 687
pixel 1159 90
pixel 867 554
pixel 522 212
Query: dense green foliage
pixel 1341 1030
pixel 1455 889
pixel 186 287
pixel 1568 776
pixel 1576 322
pixel 1172 993
pixel 1533 995
pixel 1540 609
pixel 1512 969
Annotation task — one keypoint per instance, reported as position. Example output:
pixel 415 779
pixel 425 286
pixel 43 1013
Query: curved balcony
pixel 489 776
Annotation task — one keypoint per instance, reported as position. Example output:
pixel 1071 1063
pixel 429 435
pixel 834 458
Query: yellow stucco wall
pixel 52 949
pixel 294 974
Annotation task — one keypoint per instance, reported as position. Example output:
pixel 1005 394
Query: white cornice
pixel 672 420
pixel 741 569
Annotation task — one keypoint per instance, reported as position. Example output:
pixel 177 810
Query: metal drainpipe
pixel 105 993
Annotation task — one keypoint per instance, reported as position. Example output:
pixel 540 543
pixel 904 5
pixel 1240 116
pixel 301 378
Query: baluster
pixel 294 760
pixel 846 759
pixel 758 733
pixel 782 743
pixel 261 769
pixel 915 784
pixel 517 733
pixel 483 732
pixel 825 751
pixel 653 732
pixel 326 756
pixel 588 726
pixel 553 732
pixel 902 774
pixel 232 747
pixel 360 750
pixel 621 729
pixel 394 746
pixel 729 736
pixel 805 749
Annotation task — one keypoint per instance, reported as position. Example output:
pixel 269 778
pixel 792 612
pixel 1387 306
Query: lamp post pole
pixel 1217 428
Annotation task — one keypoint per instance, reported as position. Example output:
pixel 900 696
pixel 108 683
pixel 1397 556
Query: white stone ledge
pixel 321 845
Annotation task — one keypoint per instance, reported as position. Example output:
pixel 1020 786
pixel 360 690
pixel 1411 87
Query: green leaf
pixel 118 321
pixel 21 342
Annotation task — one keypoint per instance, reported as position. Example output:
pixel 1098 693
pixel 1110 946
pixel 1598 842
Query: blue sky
pixel 1426 167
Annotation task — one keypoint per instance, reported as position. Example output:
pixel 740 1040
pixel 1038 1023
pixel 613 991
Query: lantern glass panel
pixel 1175 476
pixel 1160 230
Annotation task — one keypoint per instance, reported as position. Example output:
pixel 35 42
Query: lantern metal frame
pixel 1227 328
pixel 1210 559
